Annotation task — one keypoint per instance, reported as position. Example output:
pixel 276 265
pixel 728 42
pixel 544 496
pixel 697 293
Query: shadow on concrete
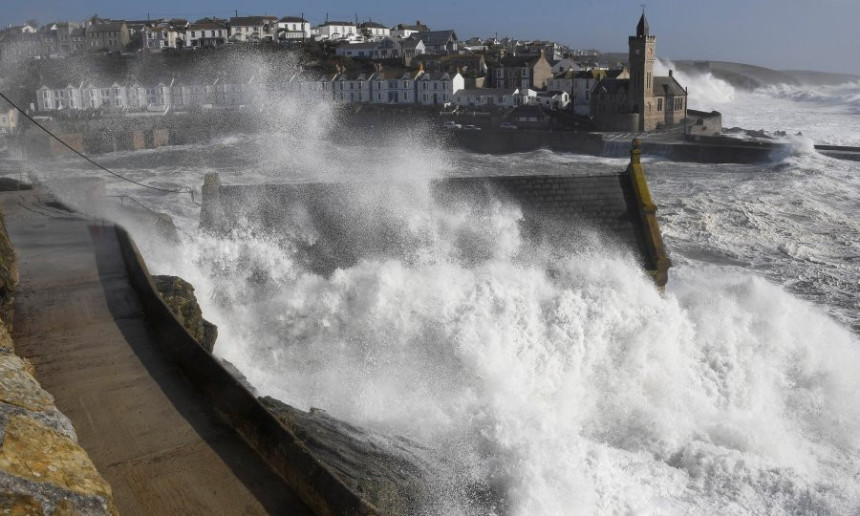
pixel 269 489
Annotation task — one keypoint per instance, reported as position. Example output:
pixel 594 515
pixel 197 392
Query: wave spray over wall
pixel 564 379
pixel 555 373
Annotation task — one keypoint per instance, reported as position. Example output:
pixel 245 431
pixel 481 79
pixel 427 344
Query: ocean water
pixel 565 379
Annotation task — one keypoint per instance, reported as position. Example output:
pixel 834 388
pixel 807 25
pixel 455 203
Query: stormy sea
pixel 565 379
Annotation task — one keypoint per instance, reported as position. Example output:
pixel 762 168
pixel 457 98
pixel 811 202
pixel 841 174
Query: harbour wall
pixel 129 133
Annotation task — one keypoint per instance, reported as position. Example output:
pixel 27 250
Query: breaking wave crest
pixel 566 379
pixel 844 97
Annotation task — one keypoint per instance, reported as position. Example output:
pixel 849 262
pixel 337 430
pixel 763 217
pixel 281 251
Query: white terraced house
pixel 205 35
pixel 374 30
pixel 294 28
pixel 253 28
pixel 434 89
pixel 336 30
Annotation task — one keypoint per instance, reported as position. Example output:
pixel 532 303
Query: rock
pixel 19 388
pixel 8 273
pixel 179 296
pixel 42 470
pixel 396 474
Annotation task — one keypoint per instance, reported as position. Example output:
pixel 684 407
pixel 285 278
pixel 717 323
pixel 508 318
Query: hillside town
pixel 355 63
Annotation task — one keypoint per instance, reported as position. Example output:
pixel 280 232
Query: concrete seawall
pixel 318 487
pixel 352 219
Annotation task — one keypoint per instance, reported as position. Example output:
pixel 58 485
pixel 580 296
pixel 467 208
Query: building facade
pixel 294 28
pixel 644 102
pixel 107 37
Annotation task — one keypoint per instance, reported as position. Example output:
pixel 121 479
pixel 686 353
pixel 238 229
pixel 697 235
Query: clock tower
pixel 641 59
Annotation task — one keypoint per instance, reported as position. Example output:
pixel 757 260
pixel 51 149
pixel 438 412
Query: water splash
pixel 707 93
pixel 566 378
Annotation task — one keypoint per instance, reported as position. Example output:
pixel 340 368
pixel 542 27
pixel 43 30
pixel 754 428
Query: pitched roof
pixel 672 86
pixel 372 25
pixel 613 86
pixel 411 43
pixel 206 26
pixel 520 61
pixel 642 27
pixel 106 27
pixel 436 37
pixel 293 19
pixel 338 23
pixel 251 21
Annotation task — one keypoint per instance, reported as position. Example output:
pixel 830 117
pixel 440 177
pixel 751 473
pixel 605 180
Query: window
pixel 660 104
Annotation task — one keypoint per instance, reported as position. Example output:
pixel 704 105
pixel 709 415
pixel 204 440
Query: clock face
pixel 637 52
pixel 650 52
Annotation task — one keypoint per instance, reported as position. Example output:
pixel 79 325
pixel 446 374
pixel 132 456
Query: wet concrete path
pixel 147 430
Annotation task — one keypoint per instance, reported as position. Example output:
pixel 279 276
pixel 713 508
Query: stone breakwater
pixel 43 470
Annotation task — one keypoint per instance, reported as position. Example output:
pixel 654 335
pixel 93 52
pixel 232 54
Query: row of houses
pixel 421 88
pixel 162 96
pixel 104 35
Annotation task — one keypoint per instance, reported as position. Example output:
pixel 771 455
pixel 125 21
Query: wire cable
pixel 184 189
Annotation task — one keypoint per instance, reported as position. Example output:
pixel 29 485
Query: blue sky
pixel 781 34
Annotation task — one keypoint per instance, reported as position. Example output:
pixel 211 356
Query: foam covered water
pixel 560 374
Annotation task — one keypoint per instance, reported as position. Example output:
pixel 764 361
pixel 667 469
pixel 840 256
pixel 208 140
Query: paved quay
pixel 145 427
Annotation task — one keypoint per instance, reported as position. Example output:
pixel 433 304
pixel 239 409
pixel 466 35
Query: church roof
pixel 672 87
pixel 642 28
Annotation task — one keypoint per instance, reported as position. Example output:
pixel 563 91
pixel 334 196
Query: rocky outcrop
pixel 8 273
pixel 43 470
pixel 388 473
pixel 397 475
pixel 179 296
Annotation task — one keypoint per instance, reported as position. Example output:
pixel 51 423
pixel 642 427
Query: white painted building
pixel 205 35
pixel 437 88
pixel 294 28
pixel 387 48
pixel 554 100
pixel 404 31
pixel 374 30
pixel 156 39
pixel 336 30
pixel 155 97
pixel 55 99
pixel 253 28
pixel 351 89
pixel 8 120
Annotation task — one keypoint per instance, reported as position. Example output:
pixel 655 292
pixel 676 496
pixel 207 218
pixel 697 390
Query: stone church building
pixel 643 102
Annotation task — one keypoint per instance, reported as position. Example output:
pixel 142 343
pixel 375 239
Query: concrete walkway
pixel 149 433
